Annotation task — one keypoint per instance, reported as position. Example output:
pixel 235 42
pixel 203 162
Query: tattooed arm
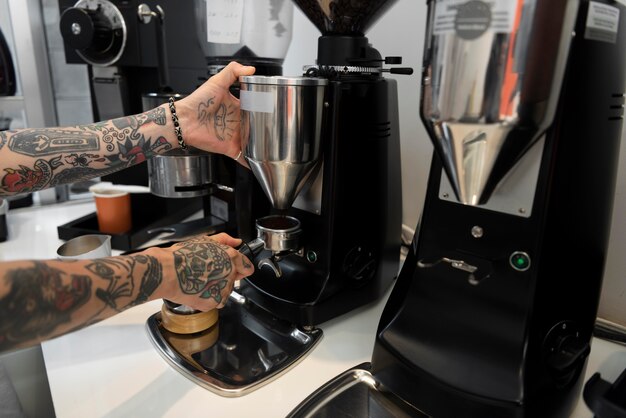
pixel 40 300
pixel 34 159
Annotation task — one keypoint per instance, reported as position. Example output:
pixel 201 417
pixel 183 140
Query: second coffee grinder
pixel 493 312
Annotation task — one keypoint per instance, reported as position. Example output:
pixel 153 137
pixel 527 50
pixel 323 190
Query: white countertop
pixel 111 369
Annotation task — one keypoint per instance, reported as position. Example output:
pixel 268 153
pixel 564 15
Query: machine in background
pixel 524 102
pixel 137 58
pixel 126 60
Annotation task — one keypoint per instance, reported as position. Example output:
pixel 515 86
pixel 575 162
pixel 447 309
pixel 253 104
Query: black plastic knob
pixel 77 28
pixel 568 353
pixel 359 264
pixel 96 31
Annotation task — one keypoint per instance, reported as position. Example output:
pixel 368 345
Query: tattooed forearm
pixel 38 142
pixel 119 273
pixel 156 115
pixel 134 122
pixel 152 278
pixel 43 299
pixel 40 299
pixel 202 268
pixel 68 155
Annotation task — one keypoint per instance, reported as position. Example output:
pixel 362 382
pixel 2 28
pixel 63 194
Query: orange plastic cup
pixel 113 211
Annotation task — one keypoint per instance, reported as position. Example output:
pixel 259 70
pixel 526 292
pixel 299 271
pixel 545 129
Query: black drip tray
pixel 148 212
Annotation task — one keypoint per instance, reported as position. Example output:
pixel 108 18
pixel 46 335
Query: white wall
pixel 613 302
pixel 401 32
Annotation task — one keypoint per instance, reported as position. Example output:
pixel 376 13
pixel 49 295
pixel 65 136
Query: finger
pixel 231 73
pixel 225 239
pixel 247 268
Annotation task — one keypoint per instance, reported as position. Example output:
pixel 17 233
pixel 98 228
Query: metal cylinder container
pixel 181 173
pixel 282 121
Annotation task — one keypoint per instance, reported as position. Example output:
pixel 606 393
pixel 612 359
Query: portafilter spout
pixel 282 129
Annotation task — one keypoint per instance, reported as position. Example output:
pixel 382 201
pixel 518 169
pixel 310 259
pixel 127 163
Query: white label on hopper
pixel 257 101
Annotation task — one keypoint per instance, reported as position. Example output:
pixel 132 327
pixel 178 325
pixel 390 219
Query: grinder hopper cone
pixel 283 119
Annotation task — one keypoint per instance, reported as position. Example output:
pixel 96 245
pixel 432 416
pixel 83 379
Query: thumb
pixel 229 74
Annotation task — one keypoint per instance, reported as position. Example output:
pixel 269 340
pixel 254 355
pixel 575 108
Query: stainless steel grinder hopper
pixel 282 129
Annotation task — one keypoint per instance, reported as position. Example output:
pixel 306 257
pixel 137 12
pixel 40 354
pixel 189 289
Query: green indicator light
pixel 520 261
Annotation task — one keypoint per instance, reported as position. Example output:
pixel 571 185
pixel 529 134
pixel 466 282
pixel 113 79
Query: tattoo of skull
pixel 202 268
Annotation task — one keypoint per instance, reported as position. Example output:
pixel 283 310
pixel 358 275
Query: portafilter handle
pixel 252 248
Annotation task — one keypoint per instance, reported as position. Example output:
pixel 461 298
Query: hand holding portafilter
pixel 179 318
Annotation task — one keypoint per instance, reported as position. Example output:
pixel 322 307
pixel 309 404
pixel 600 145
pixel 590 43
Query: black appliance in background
pixel 121 50
pixel 122 56
pixel 130 50
pixel 8 81
pixel 121 46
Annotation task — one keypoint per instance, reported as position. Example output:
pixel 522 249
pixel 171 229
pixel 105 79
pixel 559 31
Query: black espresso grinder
pixel 493 312
pixel 324 200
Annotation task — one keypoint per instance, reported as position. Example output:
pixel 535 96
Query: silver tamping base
pixel 246 349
